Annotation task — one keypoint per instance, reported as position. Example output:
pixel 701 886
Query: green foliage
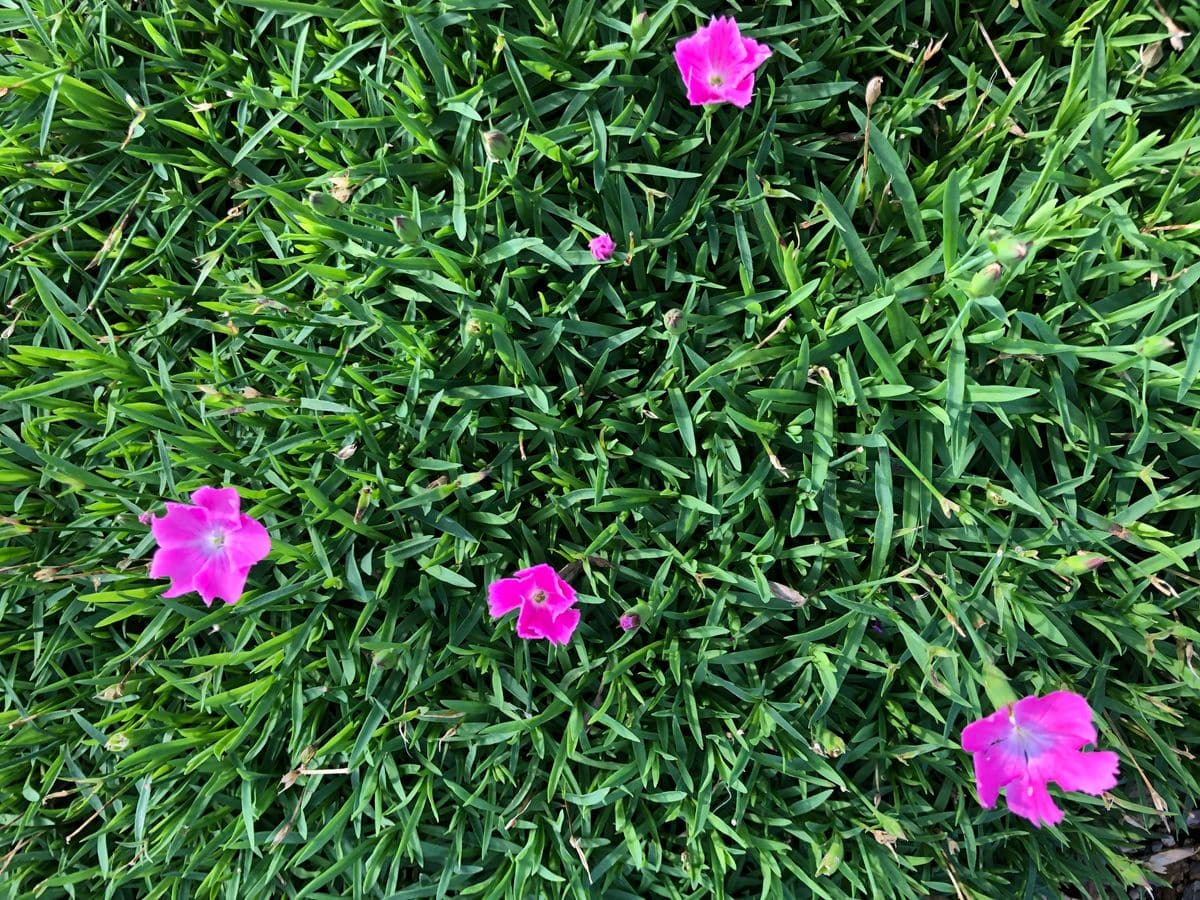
pixel 262 242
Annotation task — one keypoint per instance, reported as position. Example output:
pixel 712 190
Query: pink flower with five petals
pixel 209 547
pixel 1034 741
pixel 717 64
pixel 546 602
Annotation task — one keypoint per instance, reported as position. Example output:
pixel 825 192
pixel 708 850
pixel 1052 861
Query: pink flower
pixel 208 548
pixel 602 247
pixel 717 64
pixel 545 600
pixel 1035 741
pixel 630 621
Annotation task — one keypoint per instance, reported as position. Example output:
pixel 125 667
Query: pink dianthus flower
pixel 717 64
pixel 1024 746
pixel 546 602
pixel 207 547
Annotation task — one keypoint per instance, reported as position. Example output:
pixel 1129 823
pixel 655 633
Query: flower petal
pixel 564 626
pixel 544 578
pixel 180 564
pixel 700 93
pixel 995 767
pixel 741 93
pixel 537 620
pixel 1030 799
pixel 540 571
pixel 1073 770
pixel 222 504
pixel 756 53
pixel 220 578
pixel 1062 716
pixel 725 51
pixel 504 596
pixel 249 544
pixel 691 55
pixel 182 526
pixel 985 732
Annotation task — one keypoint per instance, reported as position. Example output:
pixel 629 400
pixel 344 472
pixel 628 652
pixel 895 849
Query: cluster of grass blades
pixel 847 467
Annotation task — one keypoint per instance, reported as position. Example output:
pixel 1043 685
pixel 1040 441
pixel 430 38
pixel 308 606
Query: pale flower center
pixel 715 80
pixel 538 596
pixel 214 541
pixel 1030 743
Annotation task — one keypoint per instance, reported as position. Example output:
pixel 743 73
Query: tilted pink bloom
pixel 630 621
pixel 602 247
pixel 717 64
pixel 546 602
pixel 209 547
pixel 1023 746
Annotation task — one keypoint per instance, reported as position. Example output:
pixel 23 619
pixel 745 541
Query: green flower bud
pixel 676 321
pixel 1079 564
pixel 385 659
pixel 1009 250
pixel 496 145
pixel 640 26
pixel 1155 345
pixel 323 203
pixel 985 281
pixel 996 686
pixel 406 229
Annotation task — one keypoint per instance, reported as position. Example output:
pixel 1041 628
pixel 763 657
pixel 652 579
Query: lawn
pixel 883 413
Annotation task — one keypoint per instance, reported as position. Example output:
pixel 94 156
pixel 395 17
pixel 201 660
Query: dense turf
pixel 843 482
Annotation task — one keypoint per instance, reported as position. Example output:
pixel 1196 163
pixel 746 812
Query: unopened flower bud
pixel 496 145
pixel 996 686
pixel 985 281
pixel 474 326
pixel 1009 250
pixel 322 202
pixel 676 321
pixel 385 659
pixel 640 26
pixel 1079 564
pixel 1155 345
pixel 406 229
pixel 633 618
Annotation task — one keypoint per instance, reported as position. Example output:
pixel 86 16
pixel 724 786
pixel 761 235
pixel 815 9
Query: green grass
pixel 839 432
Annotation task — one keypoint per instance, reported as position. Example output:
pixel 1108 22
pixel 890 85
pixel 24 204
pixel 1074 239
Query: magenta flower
pixel 602 247
pixel 630 621
pixel 545 600
pixel 1035 741
pixel 717 64
pixel 208 548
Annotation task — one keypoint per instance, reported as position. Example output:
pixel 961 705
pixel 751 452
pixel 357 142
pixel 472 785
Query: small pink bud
pixel 640 26
pixel 630 621
pixel 985 281
pixel 602 248
pixel 1079 564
